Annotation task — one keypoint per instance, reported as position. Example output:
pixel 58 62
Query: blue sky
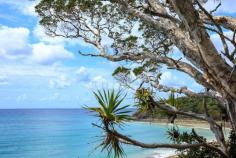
pixel 42 72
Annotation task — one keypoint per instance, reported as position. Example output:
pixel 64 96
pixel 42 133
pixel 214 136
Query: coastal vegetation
pixel 147 38
pixel 185 103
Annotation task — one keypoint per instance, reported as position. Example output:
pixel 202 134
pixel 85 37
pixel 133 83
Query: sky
pixel 37 71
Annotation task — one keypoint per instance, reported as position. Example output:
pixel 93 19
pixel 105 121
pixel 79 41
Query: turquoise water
pixel 68 134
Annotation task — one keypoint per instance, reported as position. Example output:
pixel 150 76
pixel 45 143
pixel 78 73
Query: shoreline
pixel 183 123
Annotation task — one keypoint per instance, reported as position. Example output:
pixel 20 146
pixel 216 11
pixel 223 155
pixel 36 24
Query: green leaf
pixel 121 69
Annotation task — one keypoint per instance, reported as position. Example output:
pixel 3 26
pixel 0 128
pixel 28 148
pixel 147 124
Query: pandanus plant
pixel 112 114
pixel 143 100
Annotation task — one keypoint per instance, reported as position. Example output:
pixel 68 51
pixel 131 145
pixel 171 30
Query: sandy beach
pixel 184 123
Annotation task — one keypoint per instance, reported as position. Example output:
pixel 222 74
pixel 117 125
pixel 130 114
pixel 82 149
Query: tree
pixel 111 115
pixel 146 32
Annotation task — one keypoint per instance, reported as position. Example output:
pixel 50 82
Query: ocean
pixel 68 133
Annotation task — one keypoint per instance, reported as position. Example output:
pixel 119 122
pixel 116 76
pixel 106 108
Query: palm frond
pixel 113 146
pixel 111 113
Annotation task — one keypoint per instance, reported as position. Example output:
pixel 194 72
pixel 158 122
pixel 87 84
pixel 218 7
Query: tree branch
pixel 224 21
pixel 158 10
pixel 226 49
pixel 175 34
pixel 173 110
pixel 208 145
pixel 188 92
pixel 171 63
pixel 128 140
pixel 216 65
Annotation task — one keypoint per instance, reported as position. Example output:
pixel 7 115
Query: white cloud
pixel 54 96
pixel 99 79
pixel 3 80
pixel 48 54
pixel 22 97
pixel 227 6
pixel 31 70
pixel 26 7
pixel 14 42
pixel 58 97
pixel 81 70
pixel 39 32
pixel 60 82
pixel 14 45
pixel 179 79
pixel 97 82
pixel 29 10
pixel 169 79
pixel 83 74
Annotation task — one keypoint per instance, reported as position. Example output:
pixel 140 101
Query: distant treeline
pixel 186 103
pixel 195 104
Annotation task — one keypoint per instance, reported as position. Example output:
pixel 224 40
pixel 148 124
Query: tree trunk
pixel 231 109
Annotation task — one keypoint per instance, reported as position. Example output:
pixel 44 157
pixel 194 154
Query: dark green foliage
pixel 138 70
pixel 130 41
pixel 199 152
pixel 84 18
pixel 122 74
pixel 172 100
pixel 146 108
pixel 173 134
pixel 195 104
pixel 232 144
pixel 122 70
pixel 177 137
pixel 148 66
pixel 191 138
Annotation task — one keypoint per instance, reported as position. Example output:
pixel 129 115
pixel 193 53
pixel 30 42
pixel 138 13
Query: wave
pixel 163 153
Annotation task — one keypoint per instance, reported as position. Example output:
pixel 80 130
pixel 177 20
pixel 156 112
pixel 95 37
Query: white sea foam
pixel 163 153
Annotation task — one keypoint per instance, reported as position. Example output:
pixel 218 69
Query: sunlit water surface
pixel 69 134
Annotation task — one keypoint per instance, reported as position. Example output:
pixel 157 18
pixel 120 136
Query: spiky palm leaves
pixel 143 100
pixel 111 113
pixel 145 104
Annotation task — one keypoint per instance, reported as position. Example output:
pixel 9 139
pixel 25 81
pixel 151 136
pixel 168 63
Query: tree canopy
pixel 146 33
